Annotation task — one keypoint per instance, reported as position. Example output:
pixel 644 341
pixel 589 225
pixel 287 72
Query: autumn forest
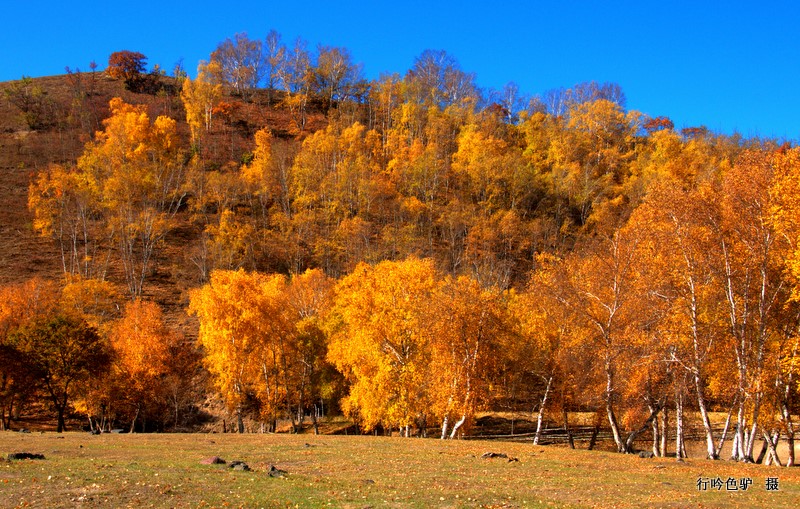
pixel 285 238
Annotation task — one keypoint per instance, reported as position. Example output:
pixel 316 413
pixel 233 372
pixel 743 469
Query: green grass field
pixel 165 470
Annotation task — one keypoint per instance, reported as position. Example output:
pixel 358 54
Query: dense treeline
pixel 434 250
pixel 69 346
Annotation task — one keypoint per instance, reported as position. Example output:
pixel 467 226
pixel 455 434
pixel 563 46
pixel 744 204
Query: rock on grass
pixel 25 456
pixel 276 472
pixel 240 465
pixel 214 460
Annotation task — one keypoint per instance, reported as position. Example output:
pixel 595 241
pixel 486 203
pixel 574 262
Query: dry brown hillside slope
pixel 76 104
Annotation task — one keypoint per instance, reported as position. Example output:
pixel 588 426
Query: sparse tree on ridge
pixel 128 66
pixel 240 63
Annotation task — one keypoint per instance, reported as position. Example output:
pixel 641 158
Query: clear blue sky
pixel 732 66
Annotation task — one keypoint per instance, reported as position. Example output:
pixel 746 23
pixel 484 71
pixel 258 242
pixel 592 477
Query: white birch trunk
pixel 724 432
pixel 540 417
pixel 656 437
pixel 772 453
pixel 679 428
pixel 612 419
pixel 709 431
pixel 664 428
pixel 457 425
pixel 735 446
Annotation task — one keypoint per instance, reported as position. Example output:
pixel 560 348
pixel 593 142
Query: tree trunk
pixel 593 440
pixel 701 403
pixel 60 427
pixel 135 416
pixel 445 424
pixel 177 411
pixel 104 419
pixel 566 428
pixel 763 452
pixel 735 445
pixel 679 454
pixel 301 420
pixel 787 422
pixel 737 451
pixel 656 437
pixel 540 417
pixel 628 445
pixel 772 453
pixel 751 439
pixel 724 433
pixel 664 428
pixel 315 419
pixel 457 425
pixel 612 419
pixel 4 425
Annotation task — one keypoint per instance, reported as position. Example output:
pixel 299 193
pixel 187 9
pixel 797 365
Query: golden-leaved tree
pixel 750 266
pixel 784 195
pixel 229 312
pixel 262 341
pixel 66 205
pixel 416 347
pixel 138 170
pixel 470 328
pixel 682 272
pixel 609 353
pixel 533 360
pixel 63 353
pixel 333 185
pixel 199 97
pixel 309 296
pixel 381 331
pixel 127 187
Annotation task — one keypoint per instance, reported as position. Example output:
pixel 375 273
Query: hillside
pixel 406 250
pixel 76 105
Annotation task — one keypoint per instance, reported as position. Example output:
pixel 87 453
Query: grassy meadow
pixel 165 470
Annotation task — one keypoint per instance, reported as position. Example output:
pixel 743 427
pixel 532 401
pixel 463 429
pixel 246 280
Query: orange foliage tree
pixel 597 286
pixel 63 353
pixel 199 97
pixel 262 341
pixel 414 346
pixel 144 349
pixel 471 328
pixel 19 305
pixel 380 339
